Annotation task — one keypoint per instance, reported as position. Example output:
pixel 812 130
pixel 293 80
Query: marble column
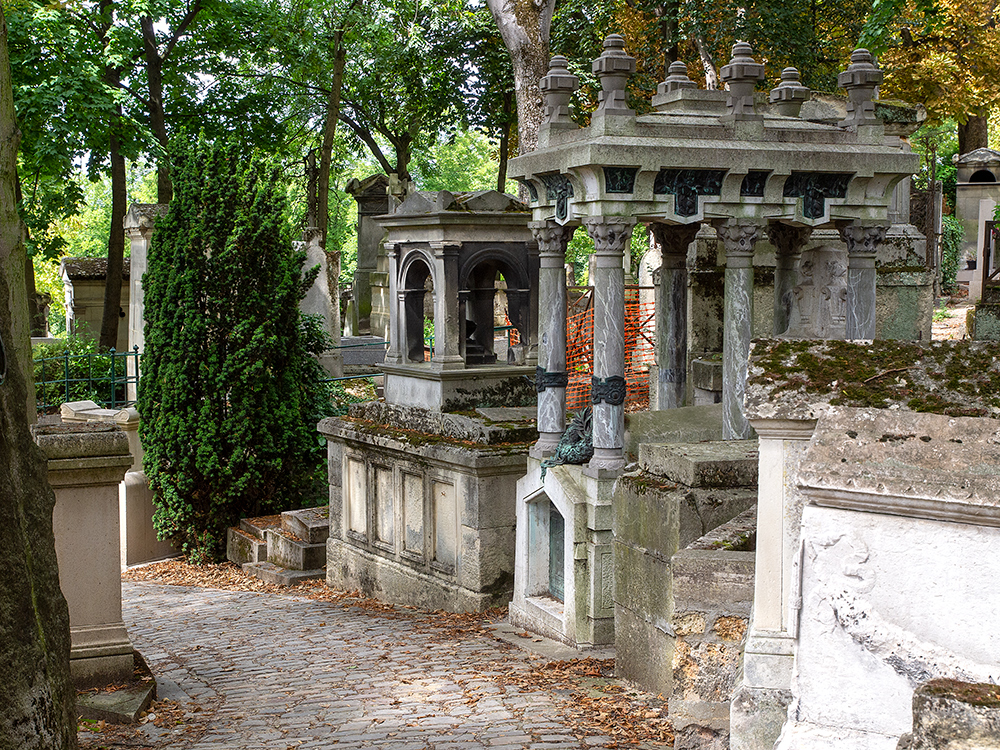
pixel 862 244
pixel 550 374
pixel 611 236
pixel 788 244
pixel 671 312
pixel 446 322
pixel 739 238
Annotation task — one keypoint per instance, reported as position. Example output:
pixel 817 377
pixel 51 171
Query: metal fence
pixel 102 377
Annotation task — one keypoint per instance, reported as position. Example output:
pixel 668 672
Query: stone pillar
pixel 860 80
pixel 396 352
pixel 372 200
pixel 862 244
pixel 741 76
pixel 86 462
pixel 613 69
pixel 611 236
pixel 739 238
pixel 139 228
pixel 446 322
pixel 788 244
pixel 550 375
pixel 671 312
pixel 759 704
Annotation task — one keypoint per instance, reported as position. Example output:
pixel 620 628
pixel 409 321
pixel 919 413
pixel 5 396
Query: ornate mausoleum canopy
pixel 699 157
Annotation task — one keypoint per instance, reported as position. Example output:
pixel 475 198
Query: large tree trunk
pixel 504 141
pixel 975 133
pixel 329 133
pixel 157 120
pixel 116 243
pixel 36 696
pixel 524 26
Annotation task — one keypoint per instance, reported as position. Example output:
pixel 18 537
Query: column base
pixel 756 716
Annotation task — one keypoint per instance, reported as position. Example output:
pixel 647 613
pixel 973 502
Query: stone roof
pixel 980 156
pixel 425 202
pixel 376 184
pixel 80 269
pixel 144 214
pixel 803 379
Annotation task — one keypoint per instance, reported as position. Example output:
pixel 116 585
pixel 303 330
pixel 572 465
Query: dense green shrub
pixel 229 393
pixel 952 235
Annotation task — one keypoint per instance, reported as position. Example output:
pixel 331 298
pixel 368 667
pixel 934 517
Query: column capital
pixel 445 248
pixel 611 234
pixel 737 236
pixel 674 239
pixel 551 237
pixel 788 239
pixel 862 240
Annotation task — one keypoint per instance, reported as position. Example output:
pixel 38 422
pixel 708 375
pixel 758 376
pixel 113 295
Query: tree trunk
pixel 524 26
pixel 975 133
pixel 37 701
pixel 157 120
pixel 504 142
pixel 707 63
pixel 116 238
pixel 329 133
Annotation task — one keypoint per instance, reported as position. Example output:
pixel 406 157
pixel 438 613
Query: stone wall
pixel 713 594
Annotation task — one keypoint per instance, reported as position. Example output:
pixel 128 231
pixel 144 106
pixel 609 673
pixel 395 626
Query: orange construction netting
pixel 639 346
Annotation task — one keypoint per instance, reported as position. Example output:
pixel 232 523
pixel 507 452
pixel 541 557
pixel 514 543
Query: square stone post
pixel 550 375
pixel 739 238
pixel 760 702
pixel 611 235
pixel 446 322
pixel 862 244
pixel 86 462
pixel 788 244
pixel 671 312
pixel 139 228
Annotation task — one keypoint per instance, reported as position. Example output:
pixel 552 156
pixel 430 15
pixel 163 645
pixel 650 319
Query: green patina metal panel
pixel 557 552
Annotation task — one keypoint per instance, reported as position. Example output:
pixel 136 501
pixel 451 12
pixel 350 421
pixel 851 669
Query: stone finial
pixel 789 95
pixel 614 68
pixel 677 78
pixel 741 74
pixel 860 80
pixel 557 87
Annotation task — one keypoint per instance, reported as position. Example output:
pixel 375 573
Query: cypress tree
pixel 228 394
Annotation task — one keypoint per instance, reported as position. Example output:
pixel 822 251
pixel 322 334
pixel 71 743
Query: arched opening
pixel 493 292
pixel 416 283
pixel 983 175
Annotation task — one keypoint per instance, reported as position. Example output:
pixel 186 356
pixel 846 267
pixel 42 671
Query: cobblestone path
pixel 264 671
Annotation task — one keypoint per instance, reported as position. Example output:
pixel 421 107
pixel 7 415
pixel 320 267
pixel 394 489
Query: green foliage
pixel 229 392
pixel 943 138
pixel 952 235
pixel 73 369
pixel 464 162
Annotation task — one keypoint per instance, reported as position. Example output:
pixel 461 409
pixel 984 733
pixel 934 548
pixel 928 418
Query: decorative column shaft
pixel 739 239
pixel 862 244
pixel 446 322
pixel 550 375
pixel 611 236
pixel 788 244
pixel 671 313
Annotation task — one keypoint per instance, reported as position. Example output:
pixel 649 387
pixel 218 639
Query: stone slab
pixel 244 548
pixel 724 463
pixel 257 526
pixel 121 706
pixel 312 525
pixel 288 552
pixel 271 573
pixel 687 424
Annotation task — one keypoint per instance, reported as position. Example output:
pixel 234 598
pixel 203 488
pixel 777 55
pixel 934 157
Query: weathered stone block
pixel 642 584
pixel 724 463
pixel 311 525
pixel 952 715
pixel 705 671
pixel 704 580
pixel 293 554
pixel 244 548
pixel 644 652
pixel 756 716
pixel 706 508
pixel 689 423
pixel 645 514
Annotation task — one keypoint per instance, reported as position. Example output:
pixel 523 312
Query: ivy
pixel 229 391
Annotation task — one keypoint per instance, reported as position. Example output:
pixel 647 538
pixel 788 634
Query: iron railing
pixel 102 377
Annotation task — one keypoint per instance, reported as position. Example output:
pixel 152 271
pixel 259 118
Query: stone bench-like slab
pixel 722 463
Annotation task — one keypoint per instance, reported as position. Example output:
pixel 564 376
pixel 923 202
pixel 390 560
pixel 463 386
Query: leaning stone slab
pixel 723 463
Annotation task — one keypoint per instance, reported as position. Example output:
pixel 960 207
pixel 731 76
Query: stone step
pixel 991 295
pixel 311 525
pixel 257 526
pixel 722 463
pixel 271 573
pixel 242 547
pixel 289 551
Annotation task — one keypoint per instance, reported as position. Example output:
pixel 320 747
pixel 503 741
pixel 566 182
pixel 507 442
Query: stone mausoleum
pixel 702 160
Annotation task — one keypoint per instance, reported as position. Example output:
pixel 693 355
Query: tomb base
pixel 450 390
pixel 425 518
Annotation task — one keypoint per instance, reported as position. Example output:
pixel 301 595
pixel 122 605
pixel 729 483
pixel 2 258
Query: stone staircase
pixel 283 549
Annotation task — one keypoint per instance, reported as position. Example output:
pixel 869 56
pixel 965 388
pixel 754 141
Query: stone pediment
pixel 428 202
